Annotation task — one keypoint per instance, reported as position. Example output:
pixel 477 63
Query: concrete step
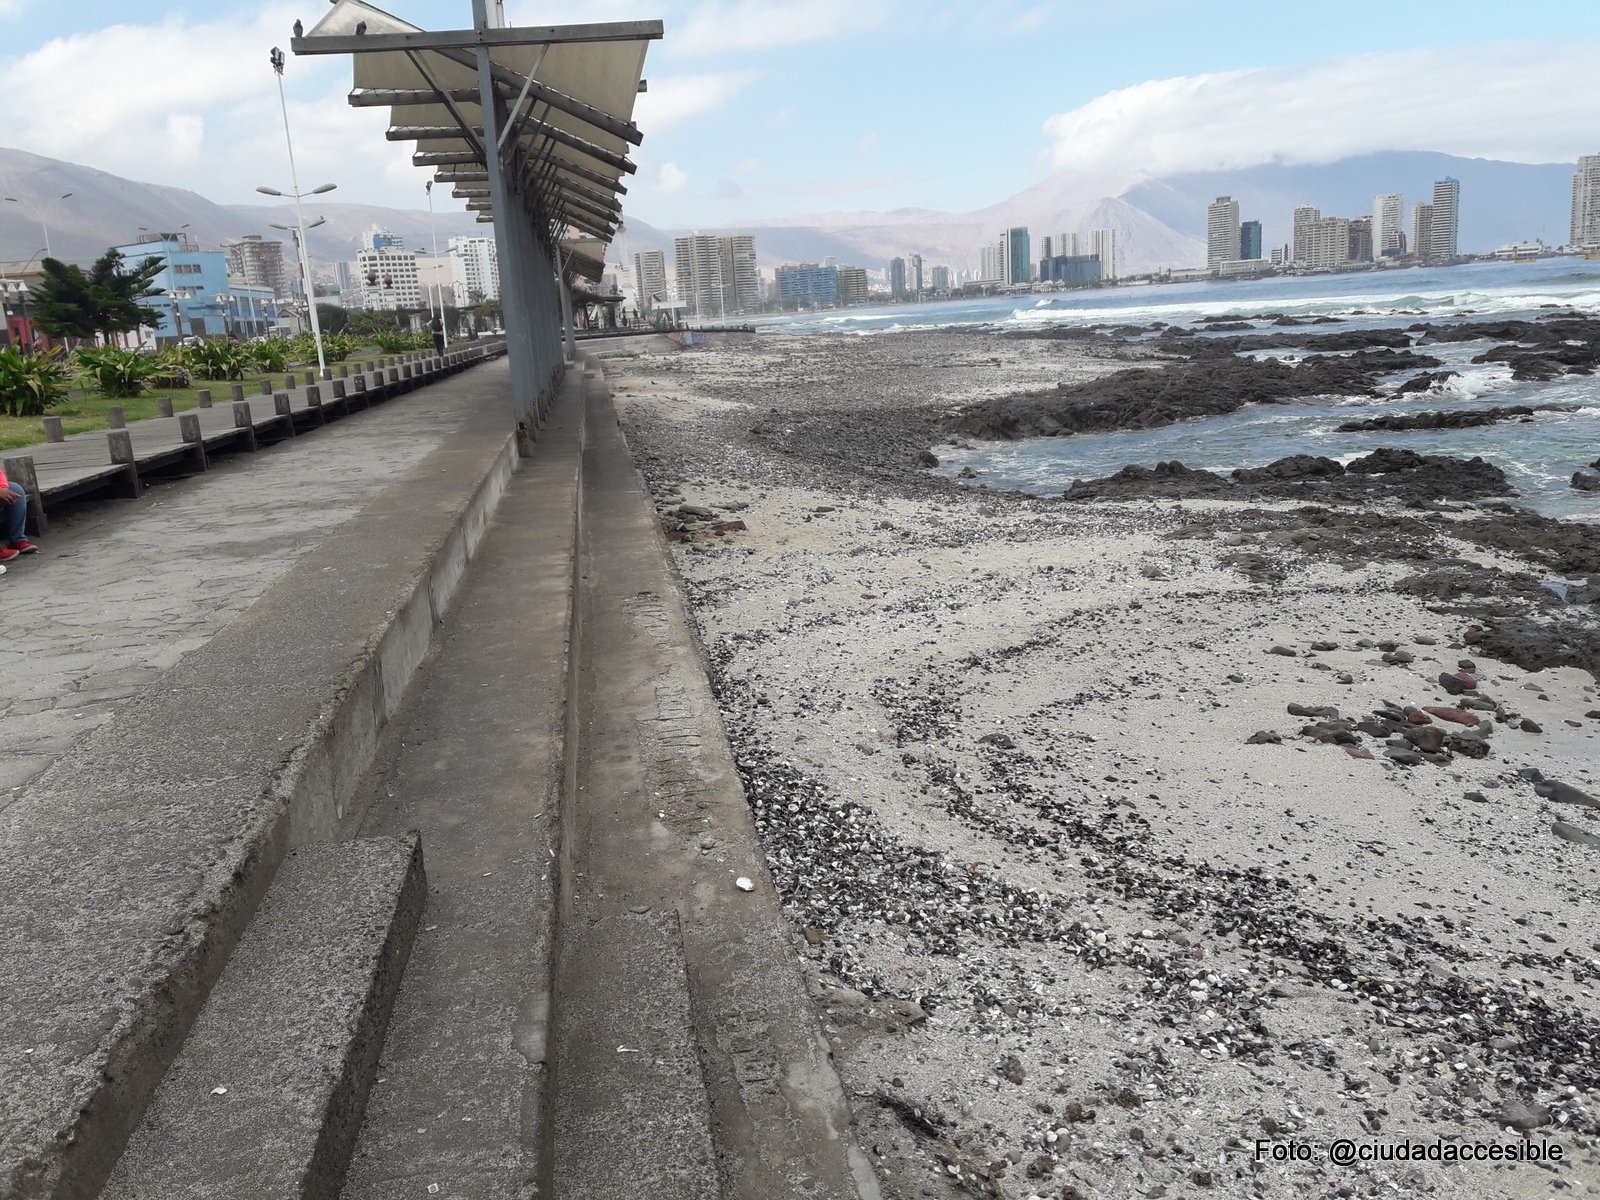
pixel 475 758
pixel 633 1117
pixel 264 1100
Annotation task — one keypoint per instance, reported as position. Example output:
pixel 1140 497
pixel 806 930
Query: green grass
pixel 83 411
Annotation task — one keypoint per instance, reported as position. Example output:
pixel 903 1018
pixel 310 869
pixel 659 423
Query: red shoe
pixel 6 554
pixel 24 546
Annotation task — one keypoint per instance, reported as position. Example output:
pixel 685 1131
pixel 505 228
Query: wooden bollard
pixel 310 378
pixel 338 389
pixel 344 370
pixel 20 470
pixel 266 387
pixel 327 372
pixel 280 402
pixel 53 431
pixel 120 444
pixel 244 419
pixel 164 404
pixel 238 392
pixel 115 418
pixel 204 396
pixel 189 430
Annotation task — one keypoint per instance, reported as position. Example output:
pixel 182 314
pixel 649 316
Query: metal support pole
pixel 523 387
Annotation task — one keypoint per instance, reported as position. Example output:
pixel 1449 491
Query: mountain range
pixel 1159 222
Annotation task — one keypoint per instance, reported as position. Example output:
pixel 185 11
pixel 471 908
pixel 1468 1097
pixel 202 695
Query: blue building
pixel 1250 239
pixel 809 284
pixel 1019 261
pixel 1072 269
pixel 197 299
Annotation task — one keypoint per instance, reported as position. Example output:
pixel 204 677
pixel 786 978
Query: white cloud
pixel 750 166
pixel 867 144
pixel 208 118
pixel 726 26
pixel 1479 101
pixel 671 178
pixel 679 97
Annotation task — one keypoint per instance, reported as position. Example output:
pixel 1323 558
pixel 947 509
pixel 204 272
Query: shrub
pixel 400 343
pixel 217 360
pixel 337 346
pixel 115 372
pixel 30 384
pixel 273 356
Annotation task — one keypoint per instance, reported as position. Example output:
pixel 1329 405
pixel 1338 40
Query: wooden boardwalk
pixel 117 461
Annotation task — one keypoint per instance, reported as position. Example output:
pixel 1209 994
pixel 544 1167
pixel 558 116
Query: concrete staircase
pixel 577 1001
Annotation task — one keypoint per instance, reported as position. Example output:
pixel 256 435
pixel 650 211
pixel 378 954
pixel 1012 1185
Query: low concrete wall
pixel 133 865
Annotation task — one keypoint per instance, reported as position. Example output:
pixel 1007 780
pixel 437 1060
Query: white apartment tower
pixel 649 278
pixel 1066 244
pixel 1388 224
pixel 389 279
pixel 474 267
pixel 1103 245
pixel 717 276
pixel 1222 232
pixel 1446 218
pixel 992 263
pixel 1305 216
pixel 1327 242
pixel 1586 202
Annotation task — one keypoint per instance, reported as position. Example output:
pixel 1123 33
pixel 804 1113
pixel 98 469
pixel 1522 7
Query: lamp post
pixel 433 232
pixel 307 288
pixel 276 59
pixel 43 209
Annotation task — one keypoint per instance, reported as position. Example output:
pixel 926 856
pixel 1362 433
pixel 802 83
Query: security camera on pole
pixel 294 180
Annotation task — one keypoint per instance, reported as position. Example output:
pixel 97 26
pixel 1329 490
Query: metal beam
pixel 573 142
pixel 467 129
pixel 398 97
pixel 470 39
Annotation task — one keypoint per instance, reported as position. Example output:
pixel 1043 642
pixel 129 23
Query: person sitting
pixel 13 520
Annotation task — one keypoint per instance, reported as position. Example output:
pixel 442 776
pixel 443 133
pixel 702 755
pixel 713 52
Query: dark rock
pixel 1461 418
pixel 1564 793
pixel 926 458
pixel 1585 482
pixel 1529 726
pixel 1314 710
pixel 1284 651
pixel 1575 835
pixel 1262 737
pixel 1011 1069
pixel 1406 758
pixel 1429 738
pixel 1521 1116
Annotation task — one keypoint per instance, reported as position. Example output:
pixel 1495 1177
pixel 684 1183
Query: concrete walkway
pixel 121 591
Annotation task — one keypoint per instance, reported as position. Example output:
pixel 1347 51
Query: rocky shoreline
pixel 1118 835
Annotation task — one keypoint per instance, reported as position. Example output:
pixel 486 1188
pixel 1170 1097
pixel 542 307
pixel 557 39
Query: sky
pixel 760 109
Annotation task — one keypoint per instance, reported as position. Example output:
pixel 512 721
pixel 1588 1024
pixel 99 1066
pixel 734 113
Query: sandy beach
pixel 1132 844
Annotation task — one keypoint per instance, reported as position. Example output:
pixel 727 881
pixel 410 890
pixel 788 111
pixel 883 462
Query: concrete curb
pixel 134 864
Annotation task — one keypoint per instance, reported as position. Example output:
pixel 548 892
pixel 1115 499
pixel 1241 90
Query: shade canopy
pixel 564 98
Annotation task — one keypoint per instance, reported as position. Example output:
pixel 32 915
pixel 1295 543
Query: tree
pixel 332 318
pixel 104 300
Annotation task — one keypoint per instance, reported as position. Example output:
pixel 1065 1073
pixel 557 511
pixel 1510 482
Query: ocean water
pixel 1538 455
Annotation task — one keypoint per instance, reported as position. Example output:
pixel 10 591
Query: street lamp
pixel 276 58
pixel 308 289
pixel 43 208
pixel 433 232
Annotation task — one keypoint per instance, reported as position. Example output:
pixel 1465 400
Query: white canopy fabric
pixel 566 160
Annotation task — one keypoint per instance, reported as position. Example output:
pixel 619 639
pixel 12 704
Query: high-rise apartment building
pixel 649 278
pixel 1361 239
pixel 897 276
pixel 474 267
pixel 1018 266
pixel 1066 244
pixel 914 274
pixel 1586 202
pixel 1305 216
pixel 1044 247
pixel 852 285
pixel 1422 231
pixel 1327 242
pixel 389 280
pixel 1388 224
pixel 1103 245
pixel 717 276
pixel 807 283
pixel 1250 240
pixel 992 263
pixel 258 262
pixel 1446 218
pixel 1222 231
pixel 939 279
